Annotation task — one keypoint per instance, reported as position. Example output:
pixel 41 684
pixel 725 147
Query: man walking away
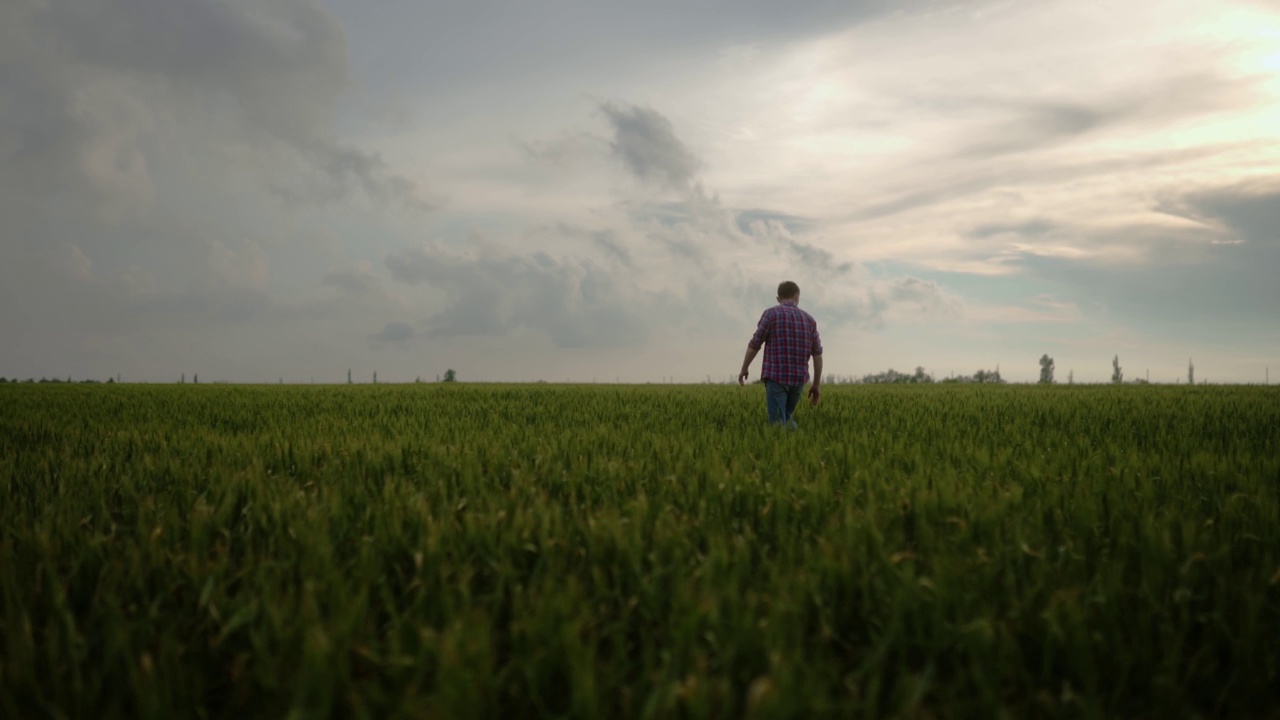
pixel 789 336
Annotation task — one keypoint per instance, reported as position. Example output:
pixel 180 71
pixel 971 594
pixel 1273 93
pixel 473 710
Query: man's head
pixel 788 291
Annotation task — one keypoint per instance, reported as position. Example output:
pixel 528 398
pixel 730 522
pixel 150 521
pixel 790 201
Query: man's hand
pixel 746 364
pixel 814 393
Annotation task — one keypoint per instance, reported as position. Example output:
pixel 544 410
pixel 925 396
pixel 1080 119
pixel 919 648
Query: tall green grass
pixel 508 551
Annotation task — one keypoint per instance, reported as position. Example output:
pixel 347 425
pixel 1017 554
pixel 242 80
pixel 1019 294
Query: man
pixel 789 336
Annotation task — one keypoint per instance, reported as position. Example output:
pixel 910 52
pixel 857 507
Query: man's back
pixel 790 337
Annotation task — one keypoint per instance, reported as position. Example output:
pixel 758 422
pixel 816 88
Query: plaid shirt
pixel 789 336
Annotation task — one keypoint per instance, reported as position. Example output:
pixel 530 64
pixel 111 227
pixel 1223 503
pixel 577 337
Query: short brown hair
pixel 788 290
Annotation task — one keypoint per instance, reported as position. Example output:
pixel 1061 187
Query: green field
pixel 650 551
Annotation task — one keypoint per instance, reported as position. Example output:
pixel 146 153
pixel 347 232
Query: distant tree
pixel 375 377
pixel 1191 372
pixel 1071 377
pixel 111 380
pixel 984 376
pixel 894 377
pixel 980 376
pixel 450 375
pixel 348 376
pixel 1117 375
pixel 417 380
pixel 184 379
pixel 1046 369
pixel 195 379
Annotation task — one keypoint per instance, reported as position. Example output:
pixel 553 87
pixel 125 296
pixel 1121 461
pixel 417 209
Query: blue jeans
pixel 782 400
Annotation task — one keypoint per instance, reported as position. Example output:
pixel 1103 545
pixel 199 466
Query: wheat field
pixel 454 550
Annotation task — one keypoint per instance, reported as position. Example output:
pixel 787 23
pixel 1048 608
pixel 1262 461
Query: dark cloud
pixel 605 240
pixel 575 303
pixel 746 218
pixel 1040 124
pixel 1249 213
pixel 646 144
pixel 283 63
pixel 481 42
pixel 112 79
pixel 394 334
pixel 1215 280
pixel 608 242
pixel 563 150
pixel 336 173
pixel 357 279
pixel 816 258
pixel 693 229
pixel 124 121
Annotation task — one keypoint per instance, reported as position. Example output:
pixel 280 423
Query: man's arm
pixel 746 363
pixel 753 345
pixel 814 393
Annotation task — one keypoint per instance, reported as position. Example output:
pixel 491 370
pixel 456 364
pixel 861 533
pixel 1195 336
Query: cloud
pixel 1246 213
pixel 395 334
pixel 110 84
pixel 243 267
pixel 1213 277
pixel 334 173
pixel 645 142
pixel 574 303
pixel 1027 228
pixel 747 218
pixel 197 179
pixel 145 150
pixel 563 150
pixel 357 279
pixel 1041 123
pixel 923 293
pixel 605 240
pixel 818 259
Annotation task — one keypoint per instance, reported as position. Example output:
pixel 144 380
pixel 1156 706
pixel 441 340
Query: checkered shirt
pixel 789 336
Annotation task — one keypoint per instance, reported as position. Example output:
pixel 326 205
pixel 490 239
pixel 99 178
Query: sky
pixel 576 190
